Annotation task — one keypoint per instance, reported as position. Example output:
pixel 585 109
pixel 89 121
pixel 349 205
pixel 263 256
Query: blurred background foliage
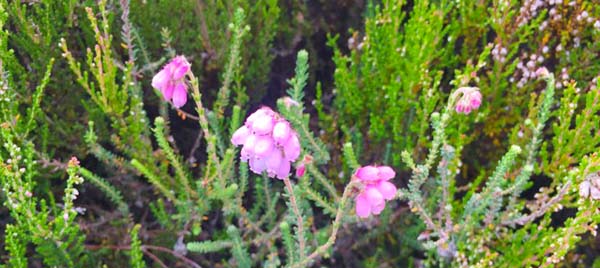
pixel 378 70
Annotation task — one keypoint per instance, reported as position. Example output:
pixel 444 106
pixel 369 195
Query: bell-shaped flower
pixel 375 191
pixel 469 100
pixel 170 81
pixel 281 132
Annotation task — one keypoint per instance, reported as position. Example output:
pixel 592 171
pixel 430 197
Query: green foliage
pixel 238 251
pixel 208 246
pixel 135 253
pixel 512 184
pixel 204 30
pixel 387 83
pixel 111 192
pixel 292 109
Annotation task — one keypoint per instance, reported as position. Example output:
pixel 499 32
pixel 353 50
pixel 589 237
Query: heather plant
pixel 47 225
pixel 159 134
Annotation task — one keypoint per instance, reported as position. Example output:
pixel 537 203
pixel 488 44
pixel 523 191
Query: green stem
pixel 299 220
pixel 335 228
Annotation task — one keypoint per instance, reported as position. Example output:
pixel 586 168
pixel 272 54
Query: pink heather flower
pixel 377 189
pixel 469 101
pixel 170 81
pixel 269 143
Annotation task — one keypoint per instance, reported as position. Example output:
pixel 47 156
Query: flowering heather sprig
pixel 377 189
pixel 170 81
pixel 469 101
pixel 269 143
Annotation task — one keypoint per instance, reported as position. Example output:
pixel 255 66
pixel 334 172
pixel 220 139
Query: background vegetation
pixel 97 170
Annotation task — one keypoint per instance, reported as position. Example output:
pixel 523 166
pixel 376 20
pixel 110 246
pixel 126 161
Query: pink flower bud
pixel 73 161
pixel 300 170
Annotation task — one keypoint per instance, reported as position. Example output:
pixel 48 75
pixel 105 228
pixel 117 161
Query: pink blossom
pixel 269 143
pixel 469 100
pixel 300 170
pixel 377 189
pixel 170 81
pixel 301 167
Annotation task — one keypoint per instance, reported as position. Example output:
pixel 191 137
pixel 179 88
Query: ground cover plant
pixel 273 133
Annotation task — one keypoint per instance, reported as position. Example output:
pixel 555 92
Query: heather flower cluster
pixel 170 81
pixel 269 143
pixel 469 101
pixel 377 189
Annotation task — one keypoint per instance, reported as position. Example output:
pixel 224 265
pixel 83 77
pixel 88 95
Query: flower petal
pixel 258 165
pixel 367 173
pixel 273 161
pixel 281 132
pixel 161 79
pixel 291 148
pixel 284 169
pixel 595 193
pixel 240 135
pixel 363 207
pixel 167 91
pixel 265 111
pixel 263 125
pixel 378 208
pixel 386 173
pixel 475 99
pixel 374 196
pixel 180 66
pixel 264 146
pixel 248 149
pixel 179 95
pixel 584 189
pixel 387 190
